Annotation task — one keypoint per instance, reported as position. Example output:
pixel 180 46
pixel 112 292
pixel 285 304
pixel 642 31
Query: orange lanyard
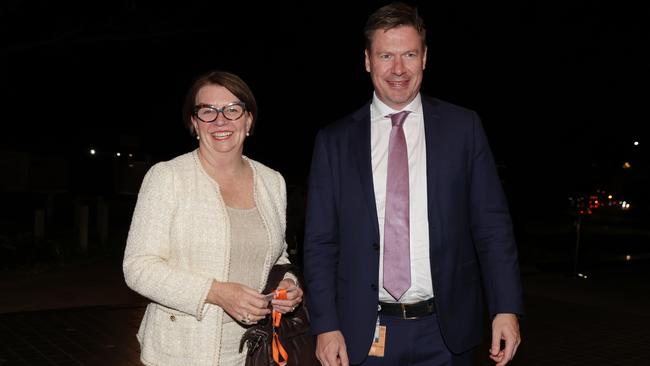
pixel 279 353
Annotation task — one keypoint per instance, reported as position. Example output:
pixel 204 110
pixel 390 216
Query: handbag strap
pixel 280 355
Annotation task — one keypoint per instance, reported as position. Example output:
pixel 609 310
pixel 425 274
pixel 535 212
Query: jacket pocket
pixel 177 338
pixel 469 272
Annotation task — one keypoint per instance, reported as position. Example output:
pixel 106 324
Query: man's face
pixel 395 61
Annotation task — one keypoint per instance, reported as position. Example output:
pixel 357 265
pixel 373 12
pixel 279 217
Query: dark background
pixel 562 88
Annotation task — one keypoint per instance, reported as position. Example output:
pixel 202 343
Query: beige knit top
pixel 249 244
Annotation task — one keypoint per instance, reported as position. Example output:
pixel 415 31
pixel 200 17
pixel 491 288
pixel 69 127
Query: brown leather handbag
pixel 292 333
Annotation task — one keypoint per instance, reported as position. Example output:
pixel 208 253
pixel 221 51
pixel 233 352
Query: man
pixel 406 217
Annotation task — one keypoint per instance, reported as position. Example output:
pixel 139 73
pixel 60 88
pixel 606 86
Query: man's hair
pixel 230 81
pixel 392 16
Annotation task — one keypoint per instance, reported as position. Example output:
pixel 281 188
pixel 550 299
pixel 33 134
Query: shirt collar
pixel 379 109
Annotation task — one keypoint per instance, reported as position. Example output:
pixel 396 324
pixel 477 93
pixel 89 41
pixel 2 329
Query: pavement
pixel 82 313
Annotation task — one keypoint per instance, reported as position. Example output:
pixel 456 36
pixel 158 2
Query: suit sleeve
pixel 321 247
pixel 492 230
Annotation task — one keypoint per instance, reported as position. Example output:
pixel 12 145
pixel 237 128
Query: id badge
pixel 378 341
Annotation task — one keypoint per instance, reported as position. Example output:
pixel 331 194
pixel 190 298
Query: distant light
pixel 118 154
pixel 636 143
pixel 92 151
pixel 628 257
pixel 627 165
pixel 582 275
pixel 130 155
pixel 609 197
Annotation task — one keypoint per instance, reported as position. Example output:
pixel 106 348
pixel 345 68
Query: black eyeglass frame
pixel 195 111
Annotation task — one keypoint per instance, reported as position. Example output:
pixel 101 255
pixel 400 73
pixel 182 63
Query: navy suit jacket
pixel 471 241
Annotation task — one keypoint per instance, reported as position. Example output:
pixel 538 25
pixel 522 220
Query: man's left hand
pixel 504 327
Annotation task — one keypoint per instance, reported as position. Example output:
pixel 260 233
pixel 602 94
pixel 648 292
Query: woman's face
pixel 222 135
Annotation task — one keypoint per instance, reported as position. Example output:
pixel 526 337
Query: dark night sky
pixel 562 87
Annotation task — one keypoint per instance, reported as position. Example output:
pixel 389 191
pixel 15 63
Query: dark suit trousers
pixel 415 342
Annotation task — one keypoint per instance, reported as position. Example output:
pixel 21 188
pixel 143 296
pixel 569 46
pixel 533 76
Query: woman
pixel 207 228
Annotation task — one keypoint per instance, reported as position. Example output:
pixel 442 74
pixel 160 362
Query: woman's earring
pixel 247 133
pixel 198 137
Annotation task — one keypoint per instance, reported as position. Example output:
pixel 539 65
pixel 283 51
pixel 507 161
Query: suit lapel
pixel 432 136
pixel 360 145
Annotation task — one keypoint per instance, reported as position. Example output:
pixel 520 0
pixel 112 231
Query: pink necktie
pixel 397 261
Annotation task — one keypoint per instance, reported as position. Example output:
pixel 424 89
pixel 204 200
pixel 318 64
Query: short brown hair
pixel 392 16
pixel 230 81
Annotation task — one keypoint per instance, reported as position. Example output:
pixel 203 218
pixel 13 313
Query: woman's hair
pixel 392 16
pixel 232 82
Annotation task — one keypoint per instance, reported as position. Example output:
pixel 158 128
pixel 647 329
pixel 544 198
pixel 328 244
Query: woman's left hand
pixel 294 297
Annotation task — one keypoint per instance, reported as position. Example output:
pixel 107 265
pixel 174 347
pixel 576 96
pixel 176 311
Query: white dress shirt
pixel 380 127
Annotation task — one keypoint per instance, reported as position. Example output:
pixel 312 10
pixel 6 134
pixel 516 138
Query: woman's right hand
pixel 241 302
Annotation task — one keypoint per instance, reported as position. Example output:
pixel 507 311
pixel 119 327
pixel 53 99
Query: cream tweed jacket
pixel 179 241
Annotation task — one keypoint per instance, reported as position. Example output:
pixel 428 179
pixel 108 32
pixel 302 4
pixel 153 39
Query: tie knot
pixel 398 118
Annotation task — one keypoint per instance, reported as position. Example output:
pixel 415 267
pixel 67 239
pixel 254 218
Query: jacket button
pixel 375 246
pixel 172 318
pixel 373 287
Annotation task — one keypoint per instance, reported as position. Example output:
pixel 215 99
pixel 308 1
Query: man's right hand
pixel 330 349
